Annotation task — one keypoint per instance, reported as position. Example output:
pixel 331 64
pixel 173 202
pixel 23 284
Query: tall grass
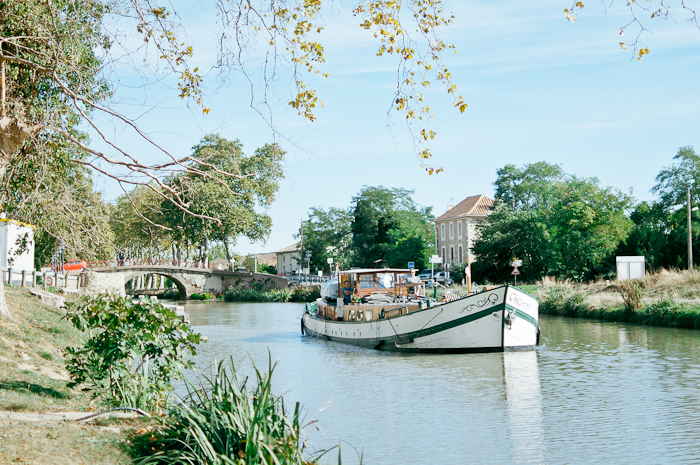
pixel 225 423
pixel 573 302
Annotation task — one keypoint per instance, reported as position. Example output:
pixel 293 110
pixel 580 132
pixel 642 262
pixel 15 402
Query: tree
pixel 564 226
pixel 673 181
pixel 411 238
pixel 527 188
pixel 232 202
pixel 57 197
pixel 327 234
pixel 389 226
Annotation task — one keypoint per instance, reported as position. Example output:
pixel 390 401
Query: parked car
pixel 75 265
pixel 425 275
pixel 441 277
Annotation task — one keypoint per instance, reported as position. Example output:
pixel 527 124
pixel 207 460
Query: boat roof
pixel 376 270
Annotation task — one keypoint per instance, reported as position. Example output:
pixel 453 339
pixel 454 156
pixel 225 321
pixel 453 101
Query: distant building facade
pixel 455 230
pixel 288 260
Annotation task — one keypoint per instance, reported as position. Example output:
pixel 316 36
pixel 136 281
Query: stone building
pixel 288 260
pixel 455 230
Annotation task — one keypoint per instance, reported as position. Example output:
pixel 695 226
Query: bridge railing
pixel 145 262
pixel 307 279
pixel 48 278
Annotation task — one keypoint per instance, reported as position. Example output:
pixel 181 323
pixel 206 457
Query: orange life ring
pixel 49 281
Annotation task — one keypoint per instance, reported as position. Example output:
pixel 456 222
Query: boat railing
pixel 393 312
pixel 311 307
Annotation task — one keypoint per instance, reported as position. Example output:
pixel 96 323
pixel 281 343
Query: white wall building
pixel 16 245
pixel 456 229
pixel 288 260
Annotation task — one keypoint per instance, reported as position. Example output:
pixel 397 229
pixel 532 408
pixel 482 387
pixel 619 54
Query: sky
pixel 539 88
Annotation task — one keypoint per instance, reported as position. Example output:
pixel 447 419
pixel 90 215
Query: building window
pixel 459 252
pixel 459 230
pixel 443 257
pixel 442 231
pixel 452 254
pixel 452 231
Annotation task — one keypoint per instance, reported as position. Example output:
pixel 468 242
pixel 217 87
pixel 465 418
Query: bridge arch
pixel 181 288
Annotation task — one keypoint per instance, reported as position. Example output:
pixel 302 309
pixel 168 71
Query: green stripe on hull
pixel 375 342
pixel 523 315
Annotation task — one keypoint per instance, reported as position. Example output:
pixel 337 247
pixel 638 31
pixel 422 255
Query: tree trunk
pixel 205 253
pixel 12 136
pixel 228 246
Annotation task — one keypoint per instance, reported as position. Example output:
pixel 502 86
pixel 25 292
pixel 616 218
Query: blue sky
pixel 538 88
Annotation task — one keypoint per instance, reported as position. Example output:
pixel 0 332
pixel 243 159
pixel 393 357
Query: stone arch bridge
pixel 187 280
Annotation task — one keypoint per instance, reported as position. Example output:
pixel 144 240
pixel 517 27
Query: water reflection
pixel 595 392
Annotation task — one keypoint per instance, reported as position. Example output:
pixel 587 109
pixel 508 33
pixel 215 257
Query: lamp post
pixel 690 234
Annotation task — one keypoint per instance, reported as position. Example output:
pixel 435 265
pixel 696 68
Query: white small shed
pixel 631 267
pixel 16 246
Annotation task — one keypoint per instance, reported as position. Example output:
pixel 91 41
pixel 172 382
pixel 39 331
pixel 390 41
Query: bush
pixel 631 292
pixel 562 301
pixel 134 353
pixel 170 294
pixel 306 294
pixel 202 296
pixel 225 424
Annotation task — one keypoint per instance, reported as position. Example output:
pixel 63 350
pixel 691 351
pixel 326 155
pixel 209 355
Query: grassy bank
pixel 222 420
pixel 296 294
pixel 665 298
pixel 33 379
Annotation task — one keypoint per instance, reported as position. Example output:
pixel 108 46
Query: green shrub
pixel 306 294
pixel 202 296
pixel 225 423
pixel 134 352
pixel 170 294
pixel 298 294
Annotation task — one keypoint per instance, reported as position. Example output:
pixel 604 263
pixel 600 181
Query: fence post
pixel 24 276
pixel 9 275
pixel 33 278
pixel 43 279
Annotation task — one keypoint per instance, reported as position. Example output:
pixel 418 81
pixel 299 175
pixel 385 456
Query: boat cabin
pixel 375 292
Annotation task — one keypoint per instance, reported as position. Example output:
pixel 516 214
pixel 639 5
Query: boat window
pixel 385 281
pixel 367 281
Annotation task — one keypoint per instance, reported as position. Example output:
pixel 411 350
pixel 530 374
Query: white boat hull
pixel 500 319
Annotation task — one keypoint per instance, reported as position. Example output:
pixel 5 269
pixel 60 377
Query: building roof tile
pixel 292 248
pixel 477 205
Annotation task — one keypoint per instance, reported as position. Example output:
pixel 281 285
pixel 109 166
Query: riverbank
pixel 39 413
pixel 665 298
pixel 33 379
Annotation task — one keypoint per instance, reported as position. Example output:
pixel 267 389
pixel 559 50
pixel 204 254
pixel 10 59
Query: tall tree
pixel 673 181
pixel 387 220
pixel 563 225
pixel 252 185
pixel 327 234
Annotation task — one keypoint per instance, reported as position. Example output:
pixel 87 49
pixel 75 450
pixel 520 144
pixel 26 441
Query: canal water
pixel 593 392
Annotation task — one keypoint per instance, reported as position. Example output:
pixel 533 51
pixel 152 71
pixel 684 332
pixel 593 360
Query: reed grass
pixel 224 423
pixel 653 300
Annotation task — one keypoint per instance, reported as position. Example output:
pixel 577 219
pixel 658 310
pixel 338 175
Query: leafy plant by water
pixel 134 352
pixel 201 296
pixel 224 423
pixel 632 294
